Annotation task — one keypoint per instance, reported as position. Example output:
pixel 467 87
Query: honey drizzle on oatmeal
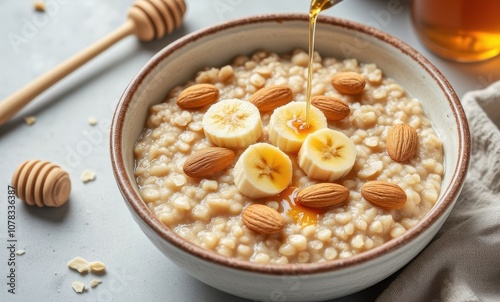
pixel 302 216
pixel 298 125
pixel 316 7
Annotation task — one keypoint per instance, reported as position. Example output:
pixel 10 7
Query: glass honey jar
pixel 460 30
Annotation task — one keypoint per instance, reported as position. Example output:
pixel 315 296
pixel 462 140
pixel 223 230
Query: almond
pixel 349 82
pixel 262 219
pixel 333 108
pixel 323 195
pixel 197 96
pixel 402 142
pixel 208 161
pixel 271 97
pixel 385 195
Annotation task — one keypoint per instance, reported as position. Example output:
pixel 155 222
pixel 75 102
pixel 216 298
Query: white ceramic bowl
pixel 216 46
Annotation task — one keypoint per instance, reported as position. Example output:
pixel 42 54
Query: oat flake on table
pixel 30 120
pixel 88 175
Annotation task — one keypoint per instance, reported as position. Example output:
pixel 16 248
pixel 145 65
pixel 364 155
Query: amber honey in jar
pixel 461 30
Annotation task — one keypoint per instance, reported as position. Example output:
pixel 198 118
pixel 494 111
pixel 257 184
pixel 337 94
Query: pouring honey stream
pixel 305 216
pixel 316 7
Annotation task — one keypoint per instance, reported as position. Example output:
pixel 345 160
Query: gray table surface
pixel 95 224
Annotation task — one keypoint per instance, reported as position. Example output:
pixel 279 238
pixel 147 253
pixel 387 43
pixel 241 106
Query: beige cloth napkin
pixel 462 263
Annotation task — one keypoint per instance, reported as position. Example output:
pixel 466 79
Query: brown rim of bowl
pixel 127 187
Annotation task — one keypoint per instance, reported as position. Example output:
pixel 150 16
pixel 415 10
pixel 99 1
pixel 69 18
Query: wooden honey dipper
pixel 41 183
pixel 147 19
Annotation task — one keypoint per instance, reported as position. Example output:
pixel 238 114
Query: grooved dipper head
pixel 155 18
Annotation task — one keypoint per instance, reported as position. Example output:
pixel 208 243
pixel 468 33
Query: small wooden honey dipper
pixel 147 19
pixel 41 183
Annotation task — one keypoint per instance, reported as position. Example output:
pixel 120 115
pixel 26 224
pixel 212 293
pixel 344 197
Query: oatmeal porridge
pixel 205 195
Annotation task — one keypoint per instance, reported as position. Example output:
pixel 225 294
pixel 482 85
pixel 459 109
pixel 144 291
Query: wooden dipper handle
pixel 147 19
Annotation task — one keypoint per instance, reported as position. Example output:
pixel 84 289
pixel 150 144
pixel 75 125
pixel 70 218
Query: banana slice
pixel 287 128
pixel 232 124
pixel 327 155
pixel 262 171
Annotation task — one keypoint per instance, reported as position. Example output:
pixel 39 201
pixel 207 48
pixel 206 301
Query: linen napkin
pixel 462 263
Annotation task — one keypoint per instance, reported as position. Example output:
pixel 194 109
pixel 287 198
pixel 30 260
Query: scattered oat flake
pixel 87 176
pixel 20 252
pixel 30 120
pixel 39 6
pixel 92 121
pixel 97 267
pixel 79 264
pixel 95 282
pixel 78 286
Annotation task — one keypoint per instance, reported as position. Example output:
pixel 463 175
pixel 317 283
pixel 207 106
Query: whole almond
pixel 262 219
pixel 402 142
pixel 197 96
pixel 385 195
pixel 349 82
pixel 271 97
pixel 333 108
pixel 208 161
pixel 322 195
